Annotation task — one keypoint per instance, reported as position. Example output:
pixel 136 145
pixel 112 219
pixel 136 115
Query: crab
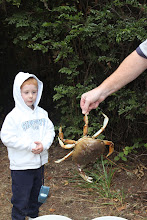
pixel 86 149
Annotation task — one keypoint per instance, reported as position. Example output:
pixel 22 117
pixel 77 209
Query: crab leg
pixel 111 147
pixel 64 158
pixel 67 146
pixel 85 128
pixel 66 141
pixel 83 175
pixel 106 119
pixel 61 135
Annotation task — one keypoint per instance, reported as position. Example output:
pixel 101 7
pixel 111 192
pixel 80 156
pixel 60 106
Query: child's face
pixel 29 94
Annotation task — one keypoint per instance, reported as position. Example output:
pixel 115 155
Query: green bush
pixel 80 44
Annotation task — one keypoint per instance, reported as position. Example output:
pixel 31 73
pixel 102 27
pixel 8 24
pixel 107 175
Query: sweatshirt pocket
pixel 25 160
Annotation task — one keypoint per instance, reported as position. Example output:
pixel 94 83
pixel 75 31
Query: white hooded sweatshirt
pixel 22 126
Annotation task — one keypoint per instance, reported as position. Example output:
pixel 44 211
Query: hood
pixel 18 81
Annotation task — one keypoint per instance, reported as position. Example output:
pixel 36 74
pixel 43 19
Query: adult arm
pixel 129 69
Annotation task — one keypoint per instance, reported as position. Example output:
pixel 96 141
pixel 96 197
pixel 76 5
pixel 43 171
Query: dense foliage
pixel 73 46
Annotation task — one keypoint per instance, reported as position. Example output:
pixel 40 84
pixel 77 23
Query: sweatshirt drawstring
pixel 42 168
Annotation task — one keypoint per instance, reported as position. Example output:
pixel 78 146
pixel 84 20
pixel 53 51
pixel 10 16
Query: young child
pixel 27 132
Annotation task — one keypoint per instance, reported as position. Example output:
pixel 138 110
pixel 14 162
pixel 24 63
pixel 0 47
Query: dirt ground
pixel 69 198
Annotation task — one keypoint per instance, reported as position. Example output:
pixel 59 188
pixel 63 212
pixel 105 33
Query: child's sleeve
pixel 11 138
pixel 49 134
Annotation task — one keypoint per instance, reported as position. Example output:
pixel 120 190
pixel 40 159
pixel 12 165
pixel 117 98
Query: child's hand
pixel 38 149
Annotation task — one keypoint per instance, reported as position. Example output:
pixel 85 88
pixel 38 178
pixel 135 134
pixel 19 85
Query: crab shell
pixel 86 150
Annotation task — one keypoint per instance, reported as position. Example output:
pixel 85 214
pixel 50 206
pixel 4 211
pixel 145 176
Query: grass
pixel 102 175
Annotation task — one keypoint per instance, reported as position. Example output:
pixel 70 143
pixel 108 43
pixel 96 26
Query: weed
pixel 102 181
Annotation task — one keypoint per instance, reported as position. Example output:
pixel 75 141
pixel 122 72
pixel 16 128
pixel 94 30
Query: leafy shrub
pixel 82 44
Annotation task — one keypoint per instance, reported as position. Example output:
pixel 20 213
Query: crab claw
pixel 67 146
pixel 87 178
pixel 83 175
pixel 106 119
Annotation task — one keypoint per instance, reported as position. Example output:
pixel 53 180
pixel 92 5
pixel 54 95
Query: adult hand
pixel 90 100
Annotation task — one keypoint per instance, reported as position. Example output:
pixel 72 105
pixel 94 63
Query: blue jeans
pixel 26 185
